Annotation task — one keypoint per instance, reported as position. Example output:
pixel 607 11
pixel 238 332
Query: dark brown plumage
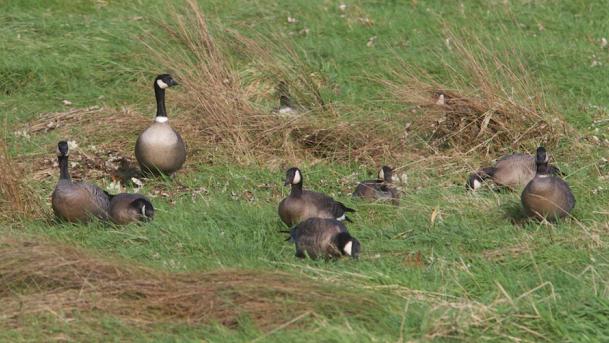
pixel 327 238
pixel 301 204
pixel 76 201
pixel 127 208
pixel 379 189
pixel 546 196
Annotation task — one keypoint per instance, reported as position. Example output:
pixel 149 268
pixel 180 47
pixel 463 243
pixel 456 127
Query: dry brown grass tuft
pixel 226 98
pixel 491 105
pixel 40 277
pixel 16 197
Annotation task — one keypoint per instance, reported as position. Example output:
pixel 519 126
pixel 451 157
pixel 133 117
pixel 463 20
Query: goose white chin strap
pixel 161 84
pixel 348 247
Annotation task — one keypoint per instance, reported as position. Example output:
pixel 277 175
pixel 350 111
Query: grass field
pixel 446 265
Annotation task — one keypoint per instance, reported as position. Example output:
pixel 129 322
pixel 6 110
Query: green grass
pixel 481 277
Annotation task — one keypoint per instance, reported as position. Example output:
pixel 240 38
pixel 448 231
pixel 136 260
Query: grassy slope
pixel 86 52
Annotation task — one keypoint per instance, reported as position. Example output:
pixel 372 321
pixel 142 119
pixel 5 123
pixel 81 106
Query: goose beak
pixel 287 182
pixel 173 83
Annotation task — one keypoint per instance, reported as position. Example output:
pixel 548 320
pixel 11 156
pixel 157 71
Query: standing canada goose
pixel 546 196
pixel 76 201
pixel 379 189
pixel 328 238
pixel 511 171
pixel 126 208
pixel 301 205
pixel 160 149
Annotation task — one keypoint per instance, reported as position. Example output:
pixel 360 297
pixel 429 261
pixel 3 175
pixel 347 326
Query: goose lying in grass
pixel 127 208
pixel 380 189
pixel 511 171
pixel 323 238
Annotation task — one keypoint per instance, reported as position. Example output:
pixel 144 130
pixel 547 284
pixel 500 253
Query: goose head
pixel 164 81
pixel 386 174
pixel 348 245
pixel 62 149
pixel 142 209
pixel 293 176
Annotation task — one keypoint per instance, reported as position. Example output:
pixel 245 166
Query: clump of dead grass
pixel 16 196
pixel 228 82
pixel 38 277
pixel 490 103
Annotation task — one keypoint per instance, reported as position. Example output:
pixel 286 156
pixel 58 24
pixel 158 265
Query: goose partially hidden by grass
pixel 286 105
pixel 128 208
pixel 323 238
pixel 160 149
pixel 511 171
pixel 380 189
pixel 546 195
pixel 76 201
pixel 302 204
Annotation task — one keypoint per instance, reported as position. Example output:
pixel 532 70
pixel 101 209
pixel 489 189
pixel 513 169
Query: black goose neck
pixel 542 168
pixel 159 94
pixel 284 101
pixel 63 168
pixel 296 189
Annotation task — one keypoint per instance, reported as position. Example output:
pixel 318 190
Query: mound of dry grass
pixel 491 103
pixel 15 194
pixel 39 277
pixel 228 102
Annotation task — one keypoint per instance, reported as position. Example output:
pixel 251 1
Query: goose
pixel 286 107
pixel 546 195
pixel 126 208
pixel 302 204
pixel 76 201
pixel 160 149
pixel 379 189
pixel 322 237
pixel 511 171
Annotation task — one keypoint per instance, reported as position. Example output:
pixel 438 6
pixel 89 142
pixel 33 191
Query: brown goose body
pixel 320 238
pixel 512 171
pixel 127 208
pixel 380 189
pixel 302 204
pixel 79 201
pixel 377 190
pixel 547 196
pixel 76 201
pixel 297 208
pixel 160 149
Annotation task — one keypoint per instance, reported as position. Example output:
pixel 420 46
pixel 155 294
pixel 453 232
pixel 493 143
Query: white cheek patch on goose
pixel 297 178
pixel 477 184
pixel 348 247
pixel 381 175
pixel 161 84
pixel 144 211
pixel 160 119
pixel 341 218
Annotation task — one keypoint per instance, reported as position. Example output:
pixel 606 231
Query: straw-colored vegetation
pixel 435 89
